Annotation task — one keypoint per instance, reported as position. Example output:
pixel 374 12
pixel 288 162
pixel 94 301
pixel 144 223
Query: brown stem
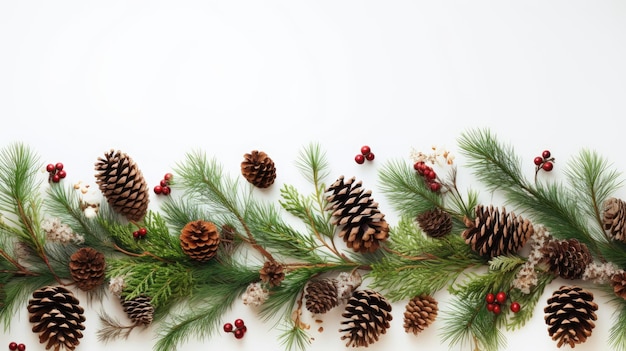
pixel 423 257
pixel 143 254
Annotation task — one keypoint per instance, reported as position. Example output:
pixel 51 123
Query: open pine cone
pixel 618 282
pixel 139 310
pixel 272 273
pixel 87 268
pixel 200 240
pixel 368 315
pixel 614 218
pixel 566 258
pixel 435 223
pixel 362 226
pixel 421 312
pixel 122 184
pixel 494 233
pixel 570 314
pixel 57 317
pixel 258 169
pixel 321 295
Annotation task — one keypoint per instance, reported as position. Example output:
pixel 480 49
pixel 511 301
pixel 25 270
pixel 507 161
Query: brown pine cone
pixel 570 314
pixel 435 223
pixel 614 218
pixel 122 184
pixel 321 295
pixel 420 313
pixel 566 258
pixel 494 233
pixel 258 169
pixel 618 282
pixel 272 273
pixel 87 268
pixel 57 317
pixel 368 315
pixel 139 310
pixel 200 240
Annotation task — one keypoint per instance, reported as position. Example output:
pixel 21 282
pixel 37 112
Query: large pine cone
pixel 566 258
pixel 570 314
pixel 421 312
pixel 57 317
pixel 614 217
pixel 200 240
pixel 87 268
pixel 321 295
pixel 368 315
pixel 494 233
pixel 618 282
pixel 258 169
pixel 272 273
pixel 139 310
pixel 362 226
pixel 122 184
pixel 435 223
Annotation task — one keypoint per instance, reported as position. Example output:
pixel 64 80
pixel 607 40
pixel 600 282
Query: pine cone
pixel 87 268
pixel 421 312
pixel 123 185
pixel 57 317
pixel 566 258
pixel 321 295
pixel 139 310
pixel 272 273
pixel 368 315
pixel 200 240
pixel 618 282
pixel 495 233
pixel 570 314
pixel 362 225
pixel 614 215
pixel 258 169
pixel 435 223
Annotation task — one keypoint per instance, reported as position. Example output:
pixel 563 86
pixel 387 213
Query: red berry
pixel 434 186
pixel 142 231
pixel 166 190
pixel 228 327
pixel 430 174
pixel 136 234
pixel 490 307
pixel 496 308
pixel 13 346
pixel 21 347
pixel 158 189
pixel 239 333
pixel 359 159
pixel 538 160
pixel 501 297
pixel 49 168
pixel 62 174
pixel 244 329
pixel 515 307
pixel 546 154
pixel 370 156
pixel 239 323
pixel 547 166
pixel 365 150
pixel 56 178
pixel 59 166
pixel 163 183
pixel 490 298
pixel 168 176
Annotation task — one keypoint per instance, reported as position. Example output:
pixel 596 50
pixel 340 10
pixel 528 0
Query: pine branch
pixel 17 292
pixel 112 329
pixel 617 337
pixel 294 337
pixel 528 301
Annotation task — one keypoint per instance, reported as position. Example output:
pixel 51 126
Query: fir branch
pixel 528 301
pixel 302 207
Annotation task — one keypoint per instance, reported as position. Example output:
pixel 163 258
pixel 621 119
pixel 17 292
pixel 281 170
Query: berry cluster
pixel 428 174
pixel 238 328
pixel 545 161
pixel 13 346
pixel 55 172
pixel 495 302
pixel 164 186
pixel 366 154
pixel 140 233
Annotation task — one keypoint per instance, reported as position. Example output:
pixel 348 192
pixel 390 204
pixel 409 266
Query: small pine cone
pixel 272 273
pixel 435 223
pixel 139 310
pixel 57 317
pixel 122 184
pixel 228 238
pixel 368 315
pixel 200 240
pixel 567 258
pixel 420 313
pixel 618 282
pixel 614 218
pixel 87 268
pixel 362 226
pixel 258 169
pixel 321 295
pixel 494 233
pixel 570 314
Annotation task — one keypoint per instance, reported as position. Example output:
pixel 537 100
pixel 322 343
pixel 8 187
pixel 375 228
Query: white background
pixel 157 79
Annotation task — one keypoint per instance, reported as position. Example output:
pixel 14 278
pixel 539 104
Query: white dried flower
pixel 439 156
pixel 117 285
pixel 599 272
pixel 526 278
pixel 255 295
pixel 346 283
pixel 58 232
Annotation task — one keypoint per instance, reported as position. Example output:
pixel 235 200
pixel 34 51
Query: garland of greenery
pixel 189 298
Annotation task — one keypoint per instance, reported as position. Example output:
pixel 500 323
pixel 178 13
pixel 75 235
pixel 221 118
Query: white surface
pixel 157 79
